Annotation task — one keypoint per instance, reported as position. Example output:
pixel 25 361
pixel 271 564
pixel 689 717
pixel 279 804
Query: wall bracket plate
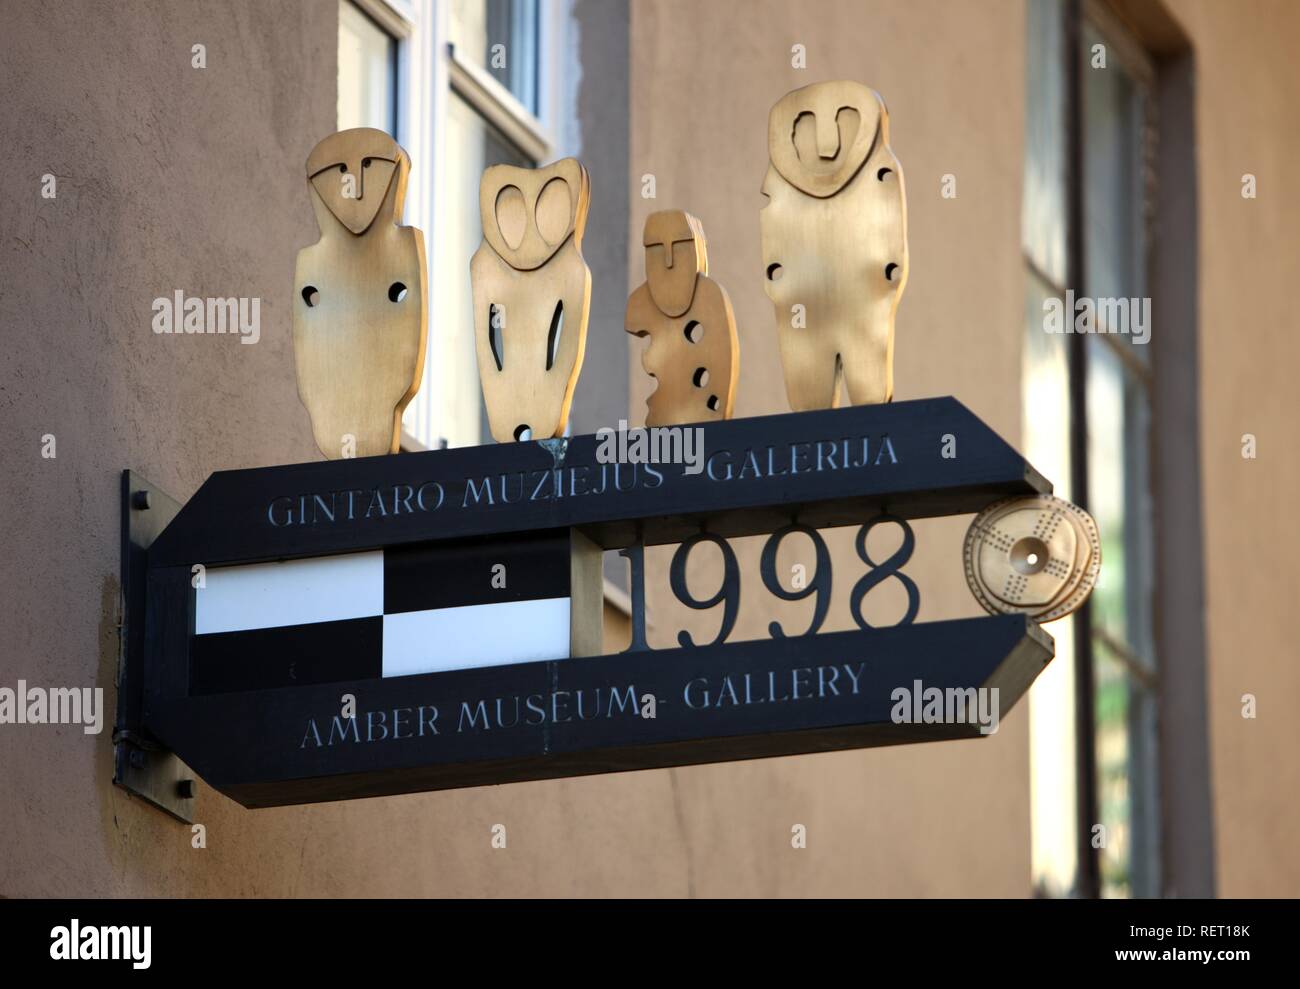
pixel 140 764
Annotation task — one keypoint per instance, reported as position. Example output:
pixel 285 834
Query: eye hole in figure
pixel 494 335
pixel 701 377
pixel 774 272
pixel 343 168
pixel 365 162
pixel 889 271
pixel 523 432
pixel 553 338
pixel 396 292
pixel 713 403
pixel 310 295
pixel 694 331
pixel 880 175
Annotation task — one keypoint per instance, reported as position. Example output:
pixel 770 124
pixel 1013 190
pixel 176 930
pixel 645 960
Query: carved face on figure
pixel 352 171
pixel 675 254
pixel 359 302
pixel 818 137
pixel 532 292
pixel 834 243
pixel 693 354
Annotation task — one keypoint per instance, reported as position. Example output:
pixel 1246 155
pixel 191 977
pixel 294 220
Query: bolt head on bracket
pixel 140 765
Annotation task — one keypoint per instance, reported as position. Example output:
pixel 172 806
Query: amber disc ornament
pixel 1037 556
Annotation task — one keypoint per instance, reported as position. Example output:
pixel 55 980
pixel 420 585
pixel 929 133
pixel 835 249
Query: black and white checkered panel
pixel 395 612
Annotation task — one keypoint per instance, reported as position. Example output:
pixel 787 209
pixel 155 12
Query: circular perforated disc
pixel 1037 556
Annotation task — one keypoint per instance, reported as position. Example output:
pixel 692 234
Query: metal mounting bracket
pixel 140 764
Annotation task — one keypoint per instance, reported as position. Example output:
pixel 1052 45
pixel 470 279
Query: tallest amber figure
pixel 834 243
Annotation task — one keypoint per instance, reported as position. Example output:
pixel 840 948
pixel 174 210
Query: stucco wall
pixel 168 177
pixel 1248 121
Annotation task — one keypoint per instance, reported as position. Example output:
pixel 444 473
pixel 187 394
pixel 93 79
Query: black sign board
pixel 277 593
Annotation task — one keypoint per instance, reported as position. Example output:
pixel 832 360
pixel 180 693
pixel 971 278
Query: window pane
pixel 1116 142
pixel 1118 486
pixel 1126 779
pixel 367 72
pixel 501 37
pixel 1116 201
pixel 1111 699
pixel 1114 190
pixel 1121 609
pixel 1052 746
pixel 1046 389
pixel 1043 212
pixel 469 145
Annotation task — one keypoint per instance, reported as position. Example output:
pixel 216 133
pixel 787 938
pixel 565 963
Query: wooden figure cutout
pixel 693 351
pixel 834 243
pixel 360 297
pixel 532 293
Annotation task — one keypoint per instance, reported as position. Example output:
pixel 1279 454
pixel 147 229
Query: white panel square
pixel 476 635
pixel 295 592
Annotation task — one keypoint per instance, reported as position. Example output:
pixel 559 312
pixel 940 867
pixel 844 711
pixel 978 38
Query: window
pixel 462 84
pixel 367 72
pixel 1087 214
pixel 1054 782
pixel 490 118
pixel 460 419
pixel 1116 187
pixel 500 37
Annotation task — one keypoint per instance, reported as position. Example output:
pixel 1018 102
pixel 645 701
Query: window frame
pixel 1079 17
pixel 383 21
pixel 429 71
pixel 1076 25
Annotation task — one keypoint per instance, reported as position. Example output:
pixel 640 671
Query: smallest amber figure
pixel 693 352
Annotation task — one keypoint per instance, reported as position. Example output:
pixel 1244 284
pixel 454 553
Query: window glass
pixel 1043 215
pixel 1125 712
pixel 1118 497
pixel 1111 709
pixel 1114 182
pixel 500 37
pixel 367 74
pixel 470 145
pixel 1045 440
pixel 1106 487
pixel 1116 201
pixel 1114 196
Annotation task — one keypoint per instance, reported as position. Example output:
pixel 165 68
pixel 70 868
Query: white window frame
pixel 428 71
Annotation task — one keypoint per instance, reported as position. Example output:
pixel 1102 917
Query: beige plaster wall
pixel 1248 121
